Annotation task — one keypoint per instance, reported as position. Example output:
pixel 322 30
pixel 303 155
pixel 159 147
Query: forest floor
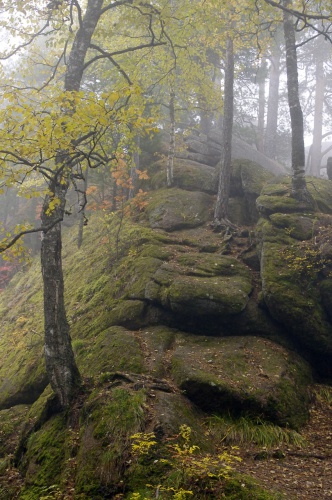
pixel 301 473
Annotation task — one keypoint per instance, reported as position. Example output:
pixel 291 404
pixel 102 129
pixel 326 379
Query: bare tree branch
pixel 29 42
pixel 115 4
pixel 44 229
pixel 110 55
pixel 305 18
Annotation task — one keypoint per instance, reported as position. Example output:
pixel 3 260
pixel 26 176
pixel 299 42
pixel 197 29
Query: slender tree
pixel 273 103
pixel 53 142
pixel 299 186
pixel 59 357
pixel 221 208
pixel 261 77
pixel 320 80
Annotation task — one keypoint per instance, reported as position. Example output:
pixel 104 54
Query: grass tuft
pixel 244 430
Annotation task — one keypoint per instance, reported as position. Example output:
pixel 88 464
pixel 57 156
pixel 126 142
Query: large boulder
pixel 172 209
pixel 202 285
pixel 242 375
pixel 192 284
pixel 22 368
pixel 293 245
pixel 188 174
pixel 247 181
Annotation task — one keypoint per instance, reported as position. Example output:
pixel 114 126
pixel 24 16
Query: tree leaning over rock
pixel 59 357
pixel 55 138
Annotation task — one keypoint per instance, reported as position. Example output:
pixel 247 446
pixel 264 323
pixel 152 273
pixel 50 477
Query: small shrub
pixel 189 472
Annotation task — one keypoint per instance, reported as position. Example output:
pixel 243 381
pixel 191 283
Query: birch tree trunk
pixel 60 362
pixel 316 151
pixel 270 138
pixel 261 106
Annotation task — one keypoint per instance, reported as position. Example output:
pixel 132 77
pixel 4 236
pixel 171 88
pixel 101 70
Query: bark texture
pixel 261 105
pixel 272 106
pixel 221 209
pixel 299 188
pixel 171 149
pixel 59 358
pixel 316 151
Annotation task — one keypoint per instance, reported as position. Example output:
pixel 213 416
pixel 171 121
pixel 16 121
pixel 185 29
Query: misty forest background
pixel 158 73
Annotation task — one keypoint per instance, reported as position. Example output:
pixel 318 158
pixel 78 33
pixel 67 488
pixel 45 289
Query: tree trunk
pixel 133 170
pixel 221 209
pixel 316 150
pixel 261 106
pixel 60 363
pixel 299 187
pixel 171 150
pixel 82 218
pixel 272 106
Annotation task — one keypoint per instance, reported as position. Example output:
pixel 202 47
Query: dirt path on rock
pixel 303 473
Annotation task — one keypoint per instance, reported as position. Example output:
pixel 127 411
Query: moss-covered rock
pixel 247 181
pixel 238 211
pixel 243 375
pixel 12 422
pixel 22 370
pixel 293 302
pixel 300 227
pixel 276 197
pixel 293 263
pixel 172 209
pixel 189 175
pixel 248 177
pixel 115 349
pixel 201 285
pixel 44 460
pixel 129 288
pixel 326 294
pixel 158 341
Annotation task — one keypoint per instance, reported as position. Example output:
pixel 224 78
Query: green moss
pixel 137 274
pixel 296 225
pixel 321 191
pixel 221 296
pixel 269 204
pixel 12 422
pixel 22 373
pixel 298 308
pixel 212 265
pixel 111 417
pixel 276 197
pixel 245 488
pixel 128 313
pixel 157 251
pixel 158 339
pixel 248 177
pixel 188 175
pixel 44 459
pixel 243 375
pixel 123 413
pixel 173 209
pixel 115 349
